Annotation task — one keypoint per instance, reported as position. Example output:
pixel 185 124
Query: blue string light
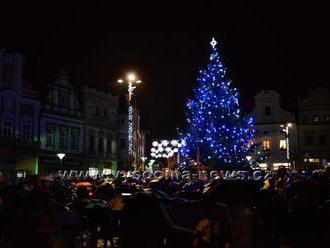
pixel 215 125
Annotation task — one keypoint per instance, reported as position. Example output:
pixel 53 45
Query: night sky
pixel 278 45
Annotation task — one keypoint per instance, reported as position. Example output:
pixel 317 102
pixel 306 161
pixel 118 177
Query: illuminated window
pixel 283 145
pixel 266 145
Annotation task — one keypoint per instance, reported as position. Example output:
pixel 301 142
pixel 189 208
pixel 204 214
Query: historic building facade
pixel 61 127
pixel 100 128
pixel 271 123
pixel 83 124
pixel 19 117
pixel 314 128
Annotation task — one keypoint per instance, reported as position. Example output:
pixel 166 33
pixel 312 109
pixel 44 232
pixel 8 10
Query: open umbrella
pixel 83 184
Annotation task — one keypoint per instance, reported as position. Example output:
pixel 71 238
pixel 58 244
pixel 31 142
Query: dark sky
pixel 278 45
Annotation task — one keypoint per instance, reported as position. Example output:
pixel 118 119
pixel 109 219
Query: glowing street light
pixel 248 158
pixel 131 81
pixel 61 156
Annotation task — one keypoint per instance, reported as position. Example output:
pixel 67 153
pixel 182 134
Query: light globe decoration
pixel 131 81
pixel 164 148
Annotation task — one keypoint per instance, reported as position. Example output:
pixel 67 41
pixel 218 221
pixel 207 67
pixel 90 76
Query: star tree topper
pixel 213 43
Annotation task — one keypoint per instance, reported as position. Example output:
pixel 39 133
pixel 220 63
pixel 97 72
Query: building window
pixel 105 111
pixel 91 143
pixel 97 111
pixel 8 73
pixel 75 132
pixel 65 100
pixel 283 145
pixel 309 139
pixel 122 143
pixel 100 145
pixel 316 119
pixel 306 119
pixel 122 121
pixel 50 135
pixel 7 128
pixel 327 119
pixel 63 138
pixel 26 130
pixel 323 140
pixel 109 145
pixel 266 145
pixel 268 110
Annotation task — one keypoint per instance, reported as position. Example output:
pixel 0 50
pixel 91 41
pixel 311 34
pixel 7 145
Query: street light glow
pixel 131 77
pixel 60 155
pixel 120 81
pixel 289 125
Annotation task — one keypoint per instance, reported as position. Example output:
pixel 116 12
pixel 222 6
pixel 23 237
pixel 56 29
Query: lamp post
pixel 61 156
pixel 131 81
pixel 285 129
pixel 248 158
pixel 143 161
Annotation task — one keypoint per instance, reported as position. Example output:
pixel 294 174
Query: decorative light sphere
pixel 155 143
pixel 165 142
pixel 174 142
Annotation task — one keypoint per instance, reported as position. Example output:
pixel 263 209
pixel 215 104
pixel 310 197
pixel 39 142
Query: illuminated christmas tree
pixel 216 131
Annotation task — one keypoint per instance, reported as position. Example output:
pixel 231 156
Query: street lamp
pixel 143 161
pixel 132 81
pixel 248 158
pixel 285 129
pixel 61 156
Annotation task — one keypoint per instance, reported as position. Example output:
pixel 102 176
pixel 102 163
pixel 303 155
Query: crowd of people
pixel 283 209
